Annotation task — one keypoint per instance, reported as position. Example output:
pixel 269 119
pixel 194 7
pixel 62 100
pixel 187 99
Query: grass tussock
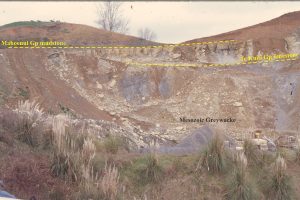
pixel 98 170
pixel 66 164
pixel 112 144
pixel 73 158
pixel 239 185
pixel 280 186
pixel 144 170
pixel 88 152
pixel 214 157
pixel 66 159
pixel 109 182
pixel 29 117
pixel 88 186
pixel 152 171
pixel 95 187
pixel 252 153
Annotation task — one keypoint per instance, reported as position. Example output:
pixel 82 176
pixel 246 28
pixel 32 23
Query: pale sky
pixel 172 22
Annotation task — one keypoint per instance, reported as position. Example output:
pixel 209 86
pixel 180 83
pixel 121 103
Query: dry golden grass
pixel 29 116
pixel 30 107
pixel 110 182
pixel 66 160
pixel 88 151
pixel 74 156
pixel 59 125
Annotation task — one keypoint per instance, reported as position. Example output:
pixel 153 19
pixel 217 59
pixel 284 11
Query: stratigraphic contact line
pixel 121 47
pixel 205 65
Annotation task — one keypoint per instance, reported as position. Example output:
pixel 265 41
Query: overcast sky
pixel 171 21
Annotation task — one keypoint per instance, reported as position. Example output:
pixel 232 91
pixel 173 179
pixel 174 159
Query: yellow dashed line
pixel 207 65
pixel 126 47
pixel 155 46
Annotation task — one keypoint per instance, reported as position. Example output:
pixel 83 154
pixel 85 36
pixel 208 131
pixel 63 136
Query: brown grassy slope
pixel 277 28
pixel 72 34
pixel 266 36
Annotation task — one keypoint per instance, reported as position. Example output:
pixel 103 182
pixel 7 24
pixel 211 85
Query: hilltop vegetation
pixel 30 23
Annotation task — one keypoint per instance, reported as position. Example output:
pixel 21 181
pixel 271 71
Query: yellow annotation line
pixel 205 65
pixel 121 47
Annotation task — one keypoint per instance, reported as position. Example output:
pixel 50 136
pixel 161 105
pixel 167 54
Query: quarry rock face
pixel 148 101
pixel 292 42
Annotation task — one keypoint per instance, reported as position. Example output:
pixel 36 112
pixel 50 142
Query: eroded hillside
pixel 108 85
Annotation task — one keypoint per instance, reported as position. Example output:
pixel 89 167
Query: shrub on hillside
pixel 150 171
pixel 112 144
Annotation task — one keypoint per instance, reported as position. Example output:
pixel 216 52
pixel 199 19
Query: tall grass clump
pixel 214 157
pixel 29 116
pixel 280 186
pixel 88 151
pixel 73 158
pixel 66 159
pixel 147 169
pixel 239 186
pixel 252 153
pixel 88 188
pixel 152 172
pixel 95 187
pixel 87 155
pixel 109 182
